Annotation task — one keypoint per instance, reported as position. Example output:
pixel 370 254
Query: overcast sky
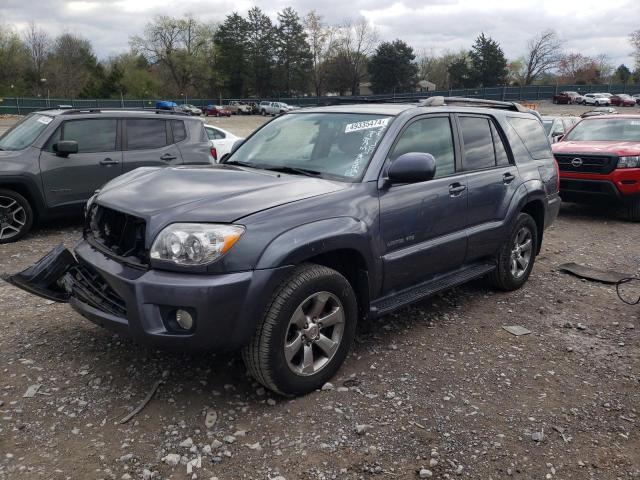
pixel 591 27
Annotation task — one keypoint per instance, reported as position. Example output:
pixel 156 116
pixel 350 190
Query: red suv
pixel 567 98
pixel 599 159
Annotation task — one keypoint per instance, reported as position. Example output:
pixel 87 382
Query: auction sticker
pixel 44 119
pixel 366 125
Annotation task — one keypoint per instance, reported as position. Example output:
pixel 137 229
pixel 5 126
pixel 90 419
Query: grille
pixel 588 163
pixel 118 232
pixel 89 287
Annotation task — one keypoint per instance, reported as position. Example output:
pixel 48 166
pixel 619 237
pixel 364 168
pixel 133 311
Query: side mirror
pixel 64 148
pixel 557 137
pixel 412 167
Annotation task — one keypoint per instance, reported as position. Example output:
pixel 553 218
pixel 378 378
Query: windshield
pixel 547 126
pixel 336 145
pixel 606 129
pixel 25 132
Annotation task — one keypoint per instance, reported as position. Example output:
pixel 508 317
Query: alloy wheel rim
pixel 13 218
pixel 521 252
pixel 314 333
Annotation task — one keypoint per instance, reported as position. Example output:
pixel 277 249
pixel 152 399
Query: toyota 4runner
pixel 322 217
pixel 52 161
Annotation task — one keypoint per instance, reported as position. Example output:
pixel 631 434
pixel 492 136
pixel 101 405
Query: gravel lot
pixel 438 390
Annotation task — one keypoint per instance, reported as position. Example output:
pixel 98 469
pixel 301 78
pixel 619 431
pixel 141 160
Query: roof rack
pixel 73 111
pixel 439 101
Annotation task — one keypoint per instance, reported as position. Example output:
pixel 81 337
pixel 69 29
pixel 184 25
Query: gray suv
pixel 54 160
pixel 321 218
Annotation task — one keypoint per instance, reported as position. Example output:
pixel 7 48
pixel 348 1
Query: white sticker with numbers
pixel 44 119
pixel 366 125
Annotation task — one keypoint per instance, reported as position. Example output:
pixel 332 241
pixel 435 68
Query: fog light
pixel 184 319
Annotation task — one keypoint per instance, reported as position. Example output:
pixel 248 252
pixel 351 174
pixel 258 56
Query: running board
pixel 426 289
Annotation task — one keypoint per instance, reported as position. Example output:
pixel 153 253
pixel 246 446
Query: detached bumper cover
pixel 138 304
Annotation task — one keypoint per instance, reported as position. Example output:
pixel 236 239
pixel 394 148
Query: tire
pixel 16 216
pixel 503 277
pixel 634 210
pixel 263 113
pixel 584 102
pixel 309 286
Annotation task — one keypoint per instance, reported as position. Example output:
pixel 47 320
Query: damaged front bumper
pixel 141 304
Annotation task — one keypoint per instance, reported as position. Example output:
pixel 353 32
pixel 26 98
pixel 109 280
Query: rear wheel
pixel 306 332
pixel 634 210
pixel 16 216
pixel 517 255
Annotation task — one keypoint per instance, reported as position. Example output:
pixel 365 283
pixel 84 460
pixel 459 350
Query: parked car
pixel 556 127
pixel 239 108
pixel 190 109
pixel 52 161
pixel 595 99
pixel 254 108
pixel 216 111
pixel 605 94
pixel 599 111
pixel 636 97
pixel 623 100
pixel 275 108
pixel 317 220
pixel 221 141
pixel 567 98
pixel 164 105
pixel 599 161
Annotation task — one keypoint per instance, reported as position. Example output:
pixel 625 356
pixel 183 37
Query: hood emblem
pixel 576 162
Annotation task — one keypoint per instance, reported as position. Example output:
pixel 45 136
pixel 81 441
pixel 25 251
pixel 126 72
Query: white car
pixel 275 108
pixel 220 140
pixel 596 99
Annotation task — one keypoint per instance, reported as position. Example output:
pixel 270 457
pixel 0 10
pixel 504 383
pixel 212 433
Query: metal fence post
pixel 18 104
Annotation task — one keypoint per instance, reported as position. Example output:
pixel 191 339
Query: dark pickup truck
pixel 322 217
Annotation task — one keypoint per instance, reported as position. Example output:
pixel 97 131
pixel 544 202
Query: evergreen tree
pixel 488 63
pixel 459 72
pixel 231 43
pixel 392 68
pixel 293 53
pixel 261 52
pixel 622 75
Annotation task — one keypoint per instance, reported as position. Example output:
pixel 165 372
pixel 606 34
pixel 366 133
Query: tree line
pixel 254 56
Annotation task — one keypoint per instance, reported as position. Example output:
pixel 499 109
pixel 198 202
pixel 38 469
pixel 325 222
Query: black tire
pixel 9 220
pixel 634 210
pixel 502 277
pixel 264 356
pixel 263 113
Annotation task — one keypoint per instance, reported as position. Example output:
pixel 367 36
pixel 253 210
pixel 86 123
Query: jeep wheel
pixel 16 216
pixel 517 256
pixel 634 210
pixel 306 332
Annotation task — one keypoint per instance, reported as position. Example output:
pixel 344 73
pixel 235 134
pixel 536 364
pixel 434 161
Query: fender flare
pixel 31 187
pixel 311 239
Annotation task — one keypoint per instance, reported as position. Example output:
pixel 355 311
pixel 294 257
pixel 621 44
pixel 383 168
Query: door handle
pixel 167 157
pixel 109 161
pixel 455 189
pixel 508 177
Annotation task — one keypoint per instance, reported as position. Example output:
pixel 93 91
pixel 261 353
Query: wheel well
pixel 24 191
pixel 351 265
pixel 536 210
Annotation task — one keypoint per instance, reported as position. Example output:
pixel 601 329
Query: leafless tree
pixel 634 38
pixel 38 44
pixel 322 42
pixel 356 42
pixel 543 54
pixel 71 64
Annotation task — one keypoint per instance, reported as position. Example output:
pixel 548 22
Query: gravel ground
pixel 437 390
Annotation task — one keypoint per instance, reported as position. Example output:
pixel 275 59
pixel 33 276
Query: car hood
pixel 219 193
pixel 605 148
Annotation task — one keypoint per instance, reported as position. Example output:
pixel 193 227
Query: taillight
pixel 214 153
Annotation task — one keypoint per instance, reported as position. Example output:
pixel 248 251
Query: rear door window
pixel 92 135
pixel 146 134
pixel 477 143
pixel 502 158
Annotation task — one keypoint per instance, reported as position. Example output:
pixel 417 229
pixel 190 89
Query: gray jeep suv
pixel 54 160
pixel 322 217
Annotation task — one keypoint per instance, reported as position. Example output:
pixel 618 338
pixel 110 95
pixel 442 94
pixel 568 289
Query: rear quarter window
pixel 531 133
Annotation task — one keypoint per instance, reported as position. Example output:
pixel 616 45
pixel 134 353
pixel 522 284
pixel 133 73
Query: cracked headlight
pixel 629 162
pixel 194 243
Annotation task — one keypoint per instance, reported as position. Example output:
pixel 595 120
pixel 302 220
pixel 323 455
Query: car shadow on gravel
pixel 588 211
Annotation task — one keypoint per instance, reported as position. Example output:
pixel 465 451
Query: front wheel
pixel 16 216
pixel 634 210
pixel 517 255
pixel 306 332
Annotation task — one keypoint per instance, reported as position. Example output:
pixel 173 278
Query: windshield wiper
pixel 240 164
pixel 294 170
